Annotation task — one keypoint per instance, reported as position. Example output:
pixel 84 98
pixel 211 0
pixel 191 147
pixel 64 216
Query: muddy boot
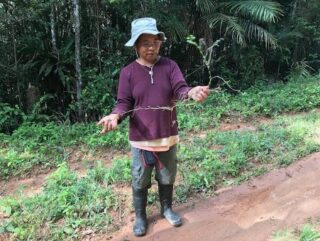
pixel 140 202
pixel 165 194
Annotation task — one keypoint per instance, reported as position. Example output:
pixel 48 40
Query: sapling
pixel 207 57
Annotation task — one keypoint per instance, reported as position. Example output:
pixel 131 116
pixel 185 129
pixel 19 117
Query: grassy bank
pixel 309 232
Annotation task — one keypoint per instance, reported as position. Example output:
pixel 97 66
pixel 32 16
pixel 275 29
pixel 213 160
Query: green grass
pixel 49 145
pixel 309 232
pixel 235 156
pixel 68 205
pixel 261 100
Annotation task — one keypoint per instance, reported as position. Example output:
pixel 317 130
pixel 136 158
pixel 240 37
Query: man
pixel 148 89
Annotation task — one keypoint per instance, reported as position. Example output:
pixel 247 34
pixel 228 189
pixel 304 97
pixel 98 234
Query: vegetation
pixel 48 145
pixel 67 207
pixel 235 156
pixel 309 232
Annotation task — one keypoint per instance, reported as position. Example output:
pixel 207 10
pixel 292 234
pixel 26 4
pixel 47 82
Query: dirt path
pixel 250 212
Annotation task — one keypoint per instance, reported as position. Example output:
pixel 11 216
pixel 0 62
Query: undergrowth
pixel 229 157
pixel 309 232
pixel 49 145
pixel 68 205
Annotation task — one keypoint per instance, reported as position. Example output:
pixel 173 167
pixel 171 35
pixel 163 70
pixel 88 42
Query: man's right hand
pixel 199 93
pixel 109 123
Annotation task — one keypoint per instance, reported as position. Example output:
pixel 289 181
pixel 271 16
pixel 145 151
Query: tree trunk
pixel 77 54
pixel 16 70
pixel 53 32
pixel 98 35
pixel 294 9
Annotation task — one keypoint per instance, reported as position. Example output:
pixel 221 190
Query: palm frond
pixel 300 70
pixel 254 31
pixel 259 10
pixel 230 24
pixel 206 6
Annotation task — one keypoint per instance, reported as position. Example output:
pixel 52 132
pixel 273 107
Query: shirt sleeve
pixel 179 85
pixel 125 100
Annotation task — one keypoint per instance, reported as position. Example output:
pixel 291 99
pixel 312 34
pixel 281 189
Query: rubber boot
pixel 140 202
pixel 165 194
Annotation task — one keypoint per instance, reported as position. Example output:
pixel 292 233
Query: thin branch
pixel 168 108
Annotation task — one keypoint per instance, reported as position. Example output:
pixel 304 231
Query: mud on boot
pixel 140 202
pixel 165 195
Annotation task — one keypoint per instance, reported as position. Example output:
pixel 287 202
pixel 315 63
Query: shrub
pixel 10 117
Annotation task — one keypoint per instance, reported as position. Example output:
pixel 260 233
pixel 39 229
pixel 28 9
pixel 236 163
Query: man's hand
pixel 199 93
pixel 109 123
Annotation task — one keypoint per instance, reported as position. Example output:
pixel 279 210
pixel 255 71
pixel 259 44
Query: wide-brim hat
pixel 143 26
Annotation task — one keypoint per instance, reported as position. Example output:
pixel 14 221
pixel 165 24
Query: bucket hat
pixel 141 26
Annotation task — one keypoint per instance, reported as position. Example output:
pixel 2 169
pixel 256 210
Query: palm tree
pixel 243 20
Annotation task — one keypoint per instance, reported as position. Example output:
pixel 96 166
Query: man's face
pixel 148 47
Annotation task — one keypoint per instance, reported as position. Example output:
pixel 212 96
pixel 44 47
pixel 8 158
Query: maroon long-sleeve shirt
pixel 141 87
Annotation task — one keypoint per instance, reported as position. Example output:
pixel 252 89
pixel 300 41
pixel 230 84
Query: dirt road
pixel 250 212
